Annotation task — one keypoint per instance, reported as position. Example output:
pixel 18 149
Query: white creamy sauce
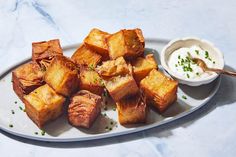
pixel 180 62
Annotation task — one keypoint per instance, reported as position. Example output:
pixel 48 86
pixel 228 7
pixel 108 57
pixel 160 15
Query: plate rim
pixel 105 135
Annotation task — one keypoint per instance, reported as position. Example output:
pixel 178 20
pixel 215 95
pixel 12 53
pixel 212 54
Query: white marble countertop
pixel 210 131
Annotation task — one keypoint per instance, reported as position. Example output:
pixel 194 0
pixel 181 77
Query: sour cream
pixel 180 62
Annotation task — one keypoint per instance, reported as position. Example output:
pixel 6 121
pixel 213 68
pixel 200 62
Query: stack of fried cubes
pixel 115 62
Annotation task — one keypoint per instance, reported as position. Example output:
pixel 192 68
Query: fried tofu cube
pixel 84 108
pixel 142 66
pixel 91 81
pixel 113 68
pixel 132 110
pixel 118 79
pixel 85 56
pixel 26 78
pixel 62 76
pixel 43 52
pixel 159 89
pixel 96 40
pixel 126 43
pixel 43 105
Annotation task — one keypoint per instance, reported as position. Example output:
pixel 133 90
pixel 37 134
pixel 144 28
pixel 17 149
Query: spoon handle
pixel 219 71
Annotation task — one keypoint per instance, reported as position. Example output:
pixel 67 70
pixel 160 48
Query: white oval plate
pixel 60 131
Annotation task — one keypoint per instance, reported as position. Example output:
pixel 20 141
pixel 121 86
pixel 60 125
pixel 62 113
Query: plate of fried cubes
pixel 110 84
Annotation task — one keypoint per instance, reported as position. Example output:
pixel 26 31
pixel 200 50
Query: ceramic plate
pixel 106 124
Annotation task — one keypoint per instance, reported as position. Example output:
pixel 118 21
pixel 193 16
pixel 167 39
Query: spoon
pixel 204 67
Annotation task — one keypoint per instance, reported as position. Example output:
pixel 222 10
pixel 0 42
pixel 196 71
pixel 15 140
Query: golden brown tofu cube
pixel 142 66
pixel 62 76
pixel 44 51
pixel 113 68
pixel 43 105
pixel 91 81
pixel 84 108
pixel 159 89
pixel 126 43
pixel 85 56
pixel 132 110
pixel 26 78
pixel 96 40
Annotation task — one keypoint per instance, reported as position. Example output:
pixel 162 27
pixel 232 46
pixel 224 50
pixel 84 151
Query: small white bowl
pixel 188 42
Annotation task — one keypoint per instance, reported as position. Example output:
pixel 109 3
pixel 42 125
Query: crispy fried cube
pixel 84 108
pixel 159 89
pixel 132 110
pixel 142 66
pixel 126 43
pixel 118 79
pixel 44 51
pixel 91 81
pixel 43 105
pixel 26 78
pixel 96 40
pixel 85 56
pixel 62 76
pixel 113 68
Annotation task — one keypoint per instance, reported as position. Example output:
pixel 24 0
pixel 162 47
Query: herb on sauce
pixel 12 112
pixel 36 133
pixel 184 97
pixel 42 132
pixel 10 125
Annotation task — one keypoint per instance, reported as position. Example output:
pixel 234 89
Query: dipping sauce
pixel 180 62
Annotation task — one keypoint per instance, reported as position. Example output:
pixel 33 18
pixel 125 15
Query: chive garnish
pixel 12 112
pixel 184 97
pixel 20 108
pixel 188 76
pixel 42 132
pixel 105 108
pixel 36 133
pixel 114 109
pixel 214 62
pixel 111 123
pixel 15 102
pixel 197 52
pixel 10 125
pixel 178 56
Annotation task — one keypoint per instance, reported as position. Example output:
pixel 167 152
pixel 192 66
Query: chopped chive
pixel 184 97
pixel 176 65
pixel 110 128
pixel 197 52
pixel 91 67
pixel 206 54
pixel 20 108
pixel 106 127
pixel 105 108
pixel 178 56
pixel 104 114
pixel 36 133
pixel 10 125
pixel 214 62
pixel 12 112
pixel 42 132
pixel 111 123
pixel 114 109
pixel 197 74
pixel 188 76
pixel 15 102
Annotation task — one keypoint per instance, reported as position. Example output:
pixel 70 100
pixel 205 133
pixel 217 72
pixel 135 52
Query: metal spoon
pixel 204 67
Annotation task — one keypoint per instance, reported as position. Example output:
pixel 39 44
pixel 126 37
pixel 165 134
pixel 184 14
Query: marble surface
pixel 210 131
